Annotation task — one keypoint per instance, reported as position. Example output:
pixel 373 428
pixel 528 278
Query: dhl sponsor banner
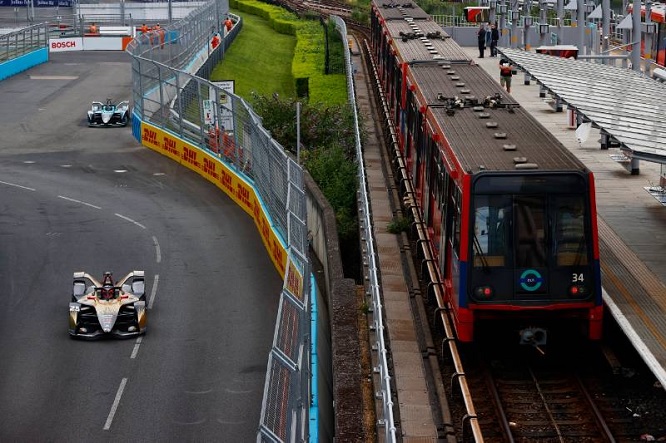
pixel 217 172
pixel 294 281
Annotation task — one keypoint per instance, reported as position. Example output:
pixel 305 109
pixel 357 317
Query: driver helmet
pixel 107 287
pixel 107 292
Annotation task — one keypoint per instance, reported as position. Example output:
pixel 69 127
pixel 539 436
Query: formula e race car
pixel 107 309
pixel 108 114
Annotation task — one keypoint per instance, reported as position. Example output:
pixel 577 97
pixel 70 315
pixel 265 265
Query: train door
pixel 395 103
pixel 429 181
pixel 433 185
pixel 389 78
pixel 411 147
pixel 456 229
pixel 421 147
pixel 450 238
pixel 443 198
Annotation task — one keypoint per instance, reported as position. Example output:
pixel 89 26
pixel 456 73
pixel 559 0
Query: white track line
pixel 158 253
pixel 18 186
pixel 153 291
pixel 131 221
pixel 115 404
pixel 135 351
pixel 78 201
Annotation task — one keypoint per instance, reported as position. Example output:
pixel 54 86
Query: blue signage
pixel 37 3
pixel 531 280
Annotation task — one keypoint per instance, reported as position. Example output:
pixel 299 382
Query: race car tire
pixel 123 120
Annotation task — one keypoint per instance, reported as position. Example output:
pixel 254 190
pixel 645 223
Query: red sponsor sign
pixel 66 44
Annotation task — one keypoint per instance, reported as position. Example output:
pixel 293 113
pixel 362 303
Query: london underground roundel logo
pixel 531 280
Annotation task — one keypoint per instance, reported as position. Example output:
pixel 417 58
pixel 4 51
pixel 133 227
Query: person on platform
pixel 93 28
pixel 481 39
pixel 494 38
pixel 506 72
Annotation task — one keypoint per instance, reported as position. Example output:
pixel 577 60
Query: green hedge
pixel 308 62
pixel 280 19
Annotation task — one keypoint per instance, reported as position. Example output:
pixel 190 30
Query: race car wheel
pixel 123 121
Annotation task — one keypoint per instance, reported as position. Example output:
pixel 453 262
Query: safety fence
pixel 207 128
pixel 386 420
pixel 23 41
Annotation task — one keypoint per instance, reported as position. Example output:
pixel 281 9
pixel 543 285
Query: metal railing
pixel 387 420
pixel 170 90
pixel 24 41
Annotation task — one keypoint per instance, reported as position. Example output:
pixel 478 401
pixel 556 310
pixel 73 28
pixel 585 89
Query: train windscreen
pixel 538 225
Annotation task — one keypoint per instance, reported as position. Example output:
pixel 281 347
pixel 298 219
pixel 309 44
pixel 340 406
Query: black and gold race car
pixel 107 309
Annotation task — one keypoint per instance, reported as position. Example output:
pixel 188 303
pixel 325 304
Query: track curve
pixel 78 198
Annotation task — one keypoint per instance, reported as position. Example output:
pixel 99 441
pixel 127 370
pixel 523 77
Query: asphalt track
pixel 78 198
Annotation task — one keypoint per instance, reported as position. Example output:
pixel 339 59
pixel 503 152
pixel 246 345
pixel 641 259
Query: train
pixel 509 212
pixel 657 51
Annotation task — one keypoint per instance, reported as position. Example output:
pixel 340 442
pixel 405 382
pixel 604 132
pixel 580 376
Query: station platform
pixel 632 225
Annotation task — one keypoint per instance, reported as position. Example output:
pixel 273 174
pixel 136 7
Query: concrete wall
pixel 340 304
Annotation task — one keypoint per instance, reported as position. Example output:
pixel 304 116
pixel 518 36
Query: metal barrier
pixel 170 91
pixel 368 245
pixel 24 41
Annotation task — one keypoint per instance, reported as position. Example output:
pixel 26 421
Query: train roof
pixel 418 41
pixel 398 10
pixel 495 137
pixel 485 137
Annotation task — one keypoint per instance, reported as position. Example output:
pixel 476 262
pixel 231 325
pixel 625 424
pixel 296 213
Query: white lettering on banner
pixel 66 44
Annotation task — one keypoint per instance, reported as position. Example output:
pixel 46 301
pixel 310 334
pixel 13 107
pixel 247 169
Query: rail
pixel 23 41
pixel 388 420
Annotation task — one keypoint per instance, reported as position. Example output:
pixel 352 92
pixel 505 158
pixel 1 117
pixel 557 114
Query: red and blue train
pixel 510 213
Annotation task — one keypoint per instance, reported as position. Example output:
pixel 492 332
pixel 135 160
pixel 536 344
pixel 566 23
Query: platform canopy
pixel 624 104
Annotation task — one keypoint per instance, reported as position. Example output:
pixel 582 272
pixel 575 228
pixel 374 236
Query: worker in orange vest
pixel 228 24
pixel 160 34
pixel 144 29
pixel 215 41
pixel 93 28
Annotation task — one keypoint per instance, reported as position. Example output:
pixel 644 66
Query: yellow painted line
pixel 635 306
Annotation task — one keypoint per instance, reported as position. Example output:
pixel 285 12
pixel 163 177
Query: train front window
pixel 569 231
pixel 530 231
pixel 491 226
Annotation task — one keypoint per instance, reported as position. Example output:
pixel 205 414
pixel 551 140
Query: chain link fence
pixel 170 90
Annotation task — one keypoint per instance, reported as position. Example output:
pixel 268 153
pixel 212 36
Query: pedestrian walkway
pixel 632 226
pixel 418 416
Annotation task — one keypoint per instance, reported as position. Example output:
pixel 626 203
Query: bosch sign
pixel 66 44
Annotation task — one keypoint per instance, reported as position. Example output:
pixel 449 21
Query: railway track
pixel 538 405
pixel 571 394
